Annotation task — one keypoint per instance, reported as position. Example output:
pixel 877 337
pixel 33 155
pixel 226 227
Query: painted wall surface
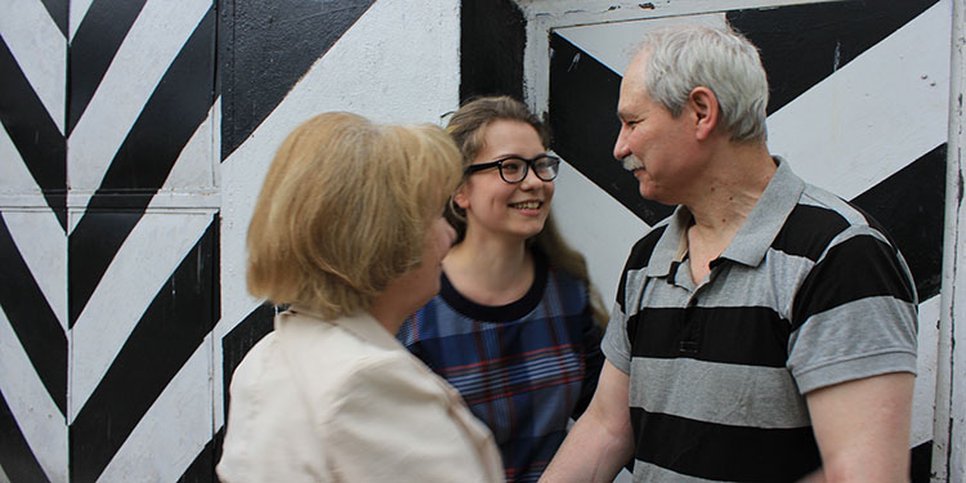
pixel 860 105
pixel 127 178
pixel 136 136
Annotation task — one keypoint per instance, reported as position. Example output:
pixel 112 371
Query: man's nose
pixel 620 146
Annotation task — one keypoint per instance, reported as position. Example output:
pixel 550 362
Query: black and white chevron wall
pixel 136 134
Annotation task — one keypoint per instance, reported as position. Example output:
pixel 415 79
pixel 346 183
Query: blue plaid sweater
pixel 524 368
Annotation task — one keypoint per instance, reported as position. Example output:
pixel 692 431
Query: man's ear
pixel 706 109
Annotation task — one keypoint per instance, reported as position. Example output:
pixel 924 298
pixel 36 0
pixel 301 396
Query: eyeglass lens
pixel 515 170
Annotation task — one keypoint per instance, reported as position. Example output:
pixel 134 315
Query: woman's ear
pixel 460 197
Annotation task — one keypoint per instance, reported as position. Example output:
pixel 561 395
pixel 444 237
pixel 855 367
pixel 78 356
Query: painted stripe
pixel 235 343
pixel 40 50
pixel 914 219
pixel 57 10
pixel 33 132
pixel 106 324
pixel 43 247
pixel 33 432
pixel 924 395
pixel 492 39
pixel 182 314
pixel 33 322
pixel 853 140
pixel 170 119
pixel 92 48
pixel 583 107
pixel 142 71
pixel 723 452
pixel 705 391
pixel 251 92
pixel 77 10
pixel 342 81
pixel 203 467
pixel 614 44
pixel 17 462
pixel 801 45
pixel 174 430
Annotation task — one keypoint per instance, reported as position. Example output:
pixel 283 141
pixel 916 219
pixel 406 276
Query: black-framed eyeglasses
pixel 514 169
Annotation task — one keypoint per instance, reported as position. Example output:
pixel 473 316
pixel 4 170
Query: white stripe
pixel 78 10
pixel 614 44
pixel 343 80
pixel 175 428
pixel 604 236
pixel 36 414
pixel 924 395
pixel 874 116
pixel 34 228
pixel 17 186
pixel 153 42
pixel 43 246
pixel 117 304
pixel 41 52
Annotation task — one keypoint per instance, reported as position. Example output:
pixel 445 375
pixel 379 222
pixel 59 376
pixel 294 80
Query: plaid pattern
pixel 524 368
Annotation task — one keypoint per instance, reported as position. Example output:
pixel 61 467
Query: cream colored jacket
pixel 343 401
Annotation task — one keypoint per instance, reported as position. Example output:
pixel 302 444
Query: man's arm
pixel 862 428
pixel 601 442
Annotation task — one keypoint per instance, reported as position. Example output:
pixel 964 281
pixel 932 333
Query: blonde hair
pixel 344 210
pixel 467 126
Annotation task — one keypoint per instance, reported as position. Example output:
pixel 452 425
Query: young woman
pixel 347 230
pixel 515 328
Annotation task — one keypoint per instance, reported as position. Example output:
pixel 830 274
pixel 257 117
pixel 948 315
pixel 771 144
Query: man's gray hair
pixel 687 56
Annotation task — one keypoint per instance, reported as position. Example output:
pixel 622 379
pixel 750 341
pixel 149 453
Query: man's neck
pixel 730 193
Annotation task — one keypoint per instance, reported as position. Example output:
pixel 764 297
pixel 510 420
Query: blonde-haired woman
pixel 515 327
pixel 348 232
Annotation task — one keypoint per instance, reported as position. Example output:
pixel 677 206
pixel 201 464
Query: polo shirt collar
pixel 755 236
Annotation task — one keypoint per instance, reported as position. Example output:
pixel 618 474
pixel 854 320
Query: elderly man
pixel 766 331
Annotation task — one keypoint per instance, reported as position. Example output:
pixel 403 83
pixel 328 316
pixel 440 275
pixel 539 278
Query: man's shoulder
pixel 644 246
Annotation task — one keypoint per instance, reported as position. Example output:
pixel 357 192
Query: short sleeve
pixel 854 315
pixel 616 346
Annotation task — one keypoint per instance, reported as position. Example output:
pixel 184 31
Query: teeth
pixel 527 205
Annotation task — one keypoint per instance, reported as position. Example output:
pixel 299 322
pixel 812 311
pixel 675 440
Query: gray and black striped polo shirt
pixel 811 292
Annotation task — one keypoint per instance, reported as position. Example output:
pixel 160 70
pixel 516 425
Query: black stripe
pixel 752 336
pixel 921 463
pixel 172 328
pixel 639 257
pixel 34 133
pixel 32 319
pixel 722 452
pixel 92 49
pixel 202 469
pixel 241 339
pixel 177 107
pixel 583 117
pixel 808 231
pixel 492 39
pixel 860 267
pixel 801 45
pixel 58 12
pixel 287 35
pixel 911 206
pixel 16 458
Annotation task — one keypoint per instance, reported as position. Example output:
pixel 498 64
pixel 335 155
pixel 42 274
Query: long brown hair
pixel 467 126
